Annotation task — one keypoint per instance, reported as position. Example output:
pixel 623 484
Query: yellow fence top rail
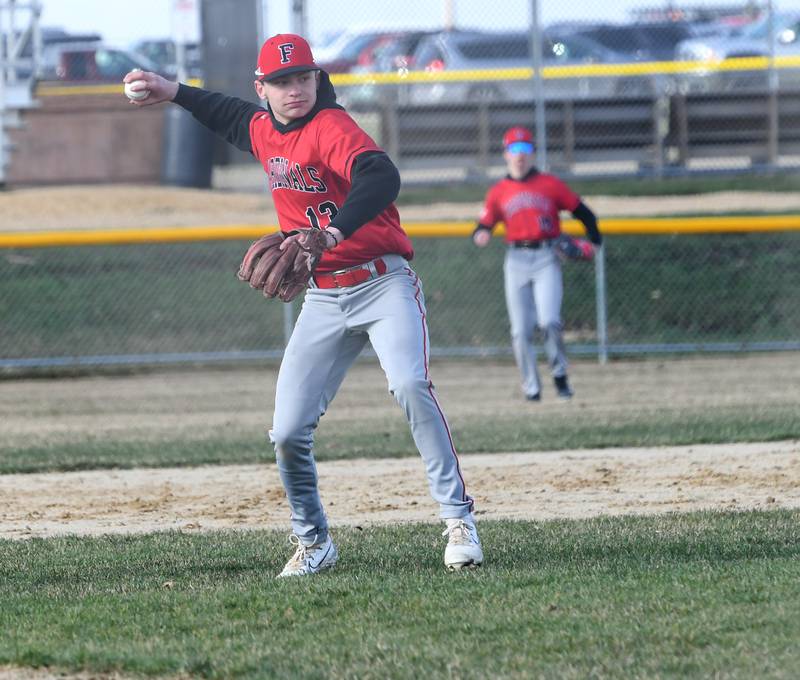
pixel 574 71
pixel 233 232
pixel 51 89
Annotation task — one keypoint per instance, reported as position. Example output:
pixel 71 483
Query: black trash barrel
pixel 188 150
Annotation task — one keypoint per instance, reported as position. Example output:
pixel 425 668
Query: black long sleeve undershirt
pixel 228 116
pixel 375 183
pixel 589 220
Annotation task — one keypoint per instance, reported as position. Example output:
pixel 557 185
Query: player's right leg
pixel 549 292
pixel 522 317
pixel 392 309
pixel 314 364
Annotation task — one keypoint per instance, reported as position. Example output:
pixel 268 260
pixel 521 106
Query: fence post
pixel 288 322
pixel 3 51
pixel 600 298
pixel 484 137
pixel 660 131
pixel 390 133
pixel 540 112
pixel 568 118
pixel 773 131
pixel 682 124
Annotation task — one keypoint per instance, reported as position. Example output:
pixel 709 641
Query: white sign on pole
pixel 186 21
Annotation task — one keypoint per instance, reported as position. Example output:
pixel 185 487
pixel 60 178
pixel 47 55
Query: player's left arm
pixel 566 199
pixel 375 184
pixel 589 220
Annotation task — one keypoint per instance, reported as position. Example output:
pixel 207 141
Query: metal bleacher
pixel 20 47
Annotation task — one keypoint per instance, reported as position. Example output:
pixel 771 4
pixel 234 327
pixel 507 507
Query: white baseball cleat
pixel 463 545
pixel 310 559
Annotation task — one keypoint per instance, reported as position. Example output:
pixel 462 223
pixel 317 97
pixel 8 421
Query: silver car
pixel 450 51
pixel 750 41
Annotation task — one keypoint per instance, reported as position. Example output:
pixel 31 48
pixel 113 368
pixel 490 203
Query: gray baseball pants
pixel 534 291
pixel 332 328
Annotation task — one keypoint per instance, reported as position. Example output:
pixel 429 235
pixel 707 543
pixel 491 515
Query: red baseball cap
pixel 518 136
pixel 284 54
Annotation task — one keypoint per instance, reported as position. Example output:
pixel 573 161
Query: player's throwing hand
pixel 161 89
pixel 481 237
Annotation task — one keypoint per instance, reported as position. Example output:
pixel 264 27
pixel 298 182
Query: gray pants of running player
pixel 332 328
pixel 534 290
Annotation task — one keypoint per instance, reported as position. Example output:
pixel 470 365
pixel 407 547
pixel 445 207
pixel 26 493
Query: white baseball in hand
pixel 482 237
pixel 136 95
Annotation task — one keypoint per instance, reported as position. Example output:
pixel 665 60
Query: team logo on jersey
pixel 286 50
pixel 286 175
pixel 527 201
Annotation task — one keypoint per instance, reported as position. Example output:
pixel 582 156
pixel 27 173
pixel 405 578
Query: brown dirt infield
pixel 523 486
pixel 529 484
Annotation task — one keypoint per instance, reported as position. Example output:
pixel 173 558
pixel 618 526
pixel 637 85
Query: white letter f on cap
pixel 286 50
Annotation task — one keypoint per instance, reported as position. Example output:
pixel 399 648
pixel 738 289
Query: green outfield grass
pixel 625 186
pixel 185 298
pixel 386 437
pixel 699 595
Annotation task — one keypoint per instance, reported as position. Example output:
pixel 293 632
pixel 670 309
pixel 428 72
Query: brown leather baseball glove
pixel 267 248
pixel 281 265
pixel 569 248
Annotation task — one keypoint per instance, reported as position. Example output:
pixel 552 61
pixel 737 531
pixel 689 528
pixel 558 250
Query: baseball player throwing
pixel 529 203
pixel 334 192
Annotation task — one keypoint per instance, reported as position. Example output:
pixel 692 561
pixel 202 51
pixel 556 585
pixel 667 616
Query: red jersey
pixel 529 207
pixel 308 170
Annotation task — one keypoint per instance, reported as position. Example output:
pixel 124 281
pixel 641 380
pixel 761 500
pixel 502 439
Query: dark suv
pixel 639 41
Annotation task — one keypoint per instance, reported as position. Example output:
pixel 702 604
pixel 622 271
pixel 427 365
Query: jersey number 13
pixel 327 208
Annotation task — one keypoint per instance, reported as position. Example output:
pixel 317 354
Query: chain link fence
pixel 634 90
pixel 155 303
pixel 656 91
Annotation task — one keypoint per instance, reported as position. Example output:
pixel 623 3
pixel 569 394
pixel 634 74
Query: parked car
pixel 92 62
pixel 334 42
pixel 397 55
pixel 391 54
pixel 639 42
pixel 474 50
pixel 750 41
pixel 52 39
pixel 352 49
pixel 164 54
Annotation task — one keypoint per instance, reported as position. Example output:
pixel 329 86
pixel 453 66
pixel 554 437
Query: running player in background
pixel 324 171
pixel 529 203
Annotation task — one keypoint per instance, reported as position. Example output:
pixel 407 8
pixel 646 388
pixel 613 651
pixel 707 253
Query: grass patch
pixel 390 437
pixel 699 595
pixel 641 186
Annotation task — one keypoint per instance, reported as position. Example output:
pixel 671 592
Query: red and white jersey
pixel 308 170
pixel 529 207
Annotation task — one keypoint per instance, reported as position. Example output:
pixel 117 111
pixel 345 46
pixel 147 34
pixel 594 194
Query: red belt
pixel 350 277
